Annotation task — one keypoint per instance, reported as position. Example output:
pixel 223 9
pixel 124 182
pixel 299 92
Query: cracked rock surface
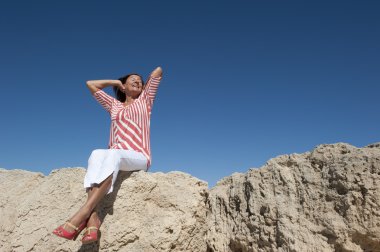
pixel 148 212
pixel 324 200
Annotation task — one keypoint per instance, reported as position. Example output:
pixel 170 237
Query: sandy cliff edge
pixel 327 199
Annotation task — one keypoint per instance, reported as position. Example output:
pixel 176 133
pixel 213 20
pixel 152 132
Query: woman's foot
pixel 92 231
pixel 69 231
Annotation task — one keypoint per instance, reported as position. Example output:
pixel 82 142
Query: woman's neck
pixel 128 100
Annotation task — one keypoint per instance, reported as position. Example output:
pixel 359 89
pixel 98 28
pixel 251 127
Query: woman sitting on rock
pixel 128 150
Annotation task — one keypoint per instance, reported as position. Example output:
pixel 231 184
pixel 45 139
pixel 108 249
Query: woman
pixel 128 149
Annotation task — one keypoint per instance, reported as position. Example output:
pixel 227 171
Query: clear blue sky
pixel 244 81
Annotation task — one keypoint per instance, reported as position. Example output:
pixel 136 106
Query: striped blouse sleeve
pixel 150 89
pixel 104 99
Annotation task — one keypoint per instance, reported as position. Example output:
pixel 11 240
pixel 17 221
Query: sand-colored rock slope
pixel 146 212
pixel 324 200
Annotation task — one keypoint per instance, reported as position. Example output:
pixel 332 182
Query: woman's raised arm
pixel 150 89
pixel 95 85
pixel 157 72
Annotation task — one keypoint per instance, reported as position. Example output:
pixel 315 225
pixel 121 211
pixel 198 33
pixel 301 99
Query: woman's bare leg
pixel 94 220
pixel 95 194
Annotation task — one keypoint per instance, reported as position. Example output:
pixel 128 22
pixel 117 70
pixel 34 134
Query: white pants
pixel 102 163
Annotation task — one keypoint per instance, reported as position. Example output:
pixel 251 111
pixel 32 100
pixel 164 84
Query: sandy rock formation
pixel 324 200
pixel 151 212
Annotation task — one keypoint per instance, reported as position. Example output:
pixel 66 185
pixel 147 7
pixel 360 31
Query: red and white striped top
pixel 130 125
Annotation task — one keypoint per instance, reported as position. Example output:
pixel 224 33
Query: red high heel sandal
pixel 89 236
pixel 62 232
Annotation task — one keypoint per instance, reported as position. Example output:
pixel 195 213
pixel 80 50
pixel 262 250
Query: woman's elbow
pixel 91 86
pixel 157 72
pixel 88 83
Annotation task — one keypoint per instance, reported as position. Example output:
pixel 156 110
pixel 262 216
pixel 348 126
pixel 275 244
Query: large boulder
pixel 146 211
pixel 324 200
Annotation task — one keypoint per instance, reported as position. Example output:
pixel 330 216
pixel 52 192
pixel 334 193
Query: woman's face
pixel 133 86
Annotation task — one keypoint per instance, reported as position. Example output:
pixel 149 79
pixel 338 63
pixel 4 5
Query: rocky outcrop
pixel 148 212
pixel 324 200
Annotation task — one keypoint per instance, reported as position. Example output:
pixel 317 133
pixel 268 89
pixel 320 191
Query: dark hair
pixel 120 96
